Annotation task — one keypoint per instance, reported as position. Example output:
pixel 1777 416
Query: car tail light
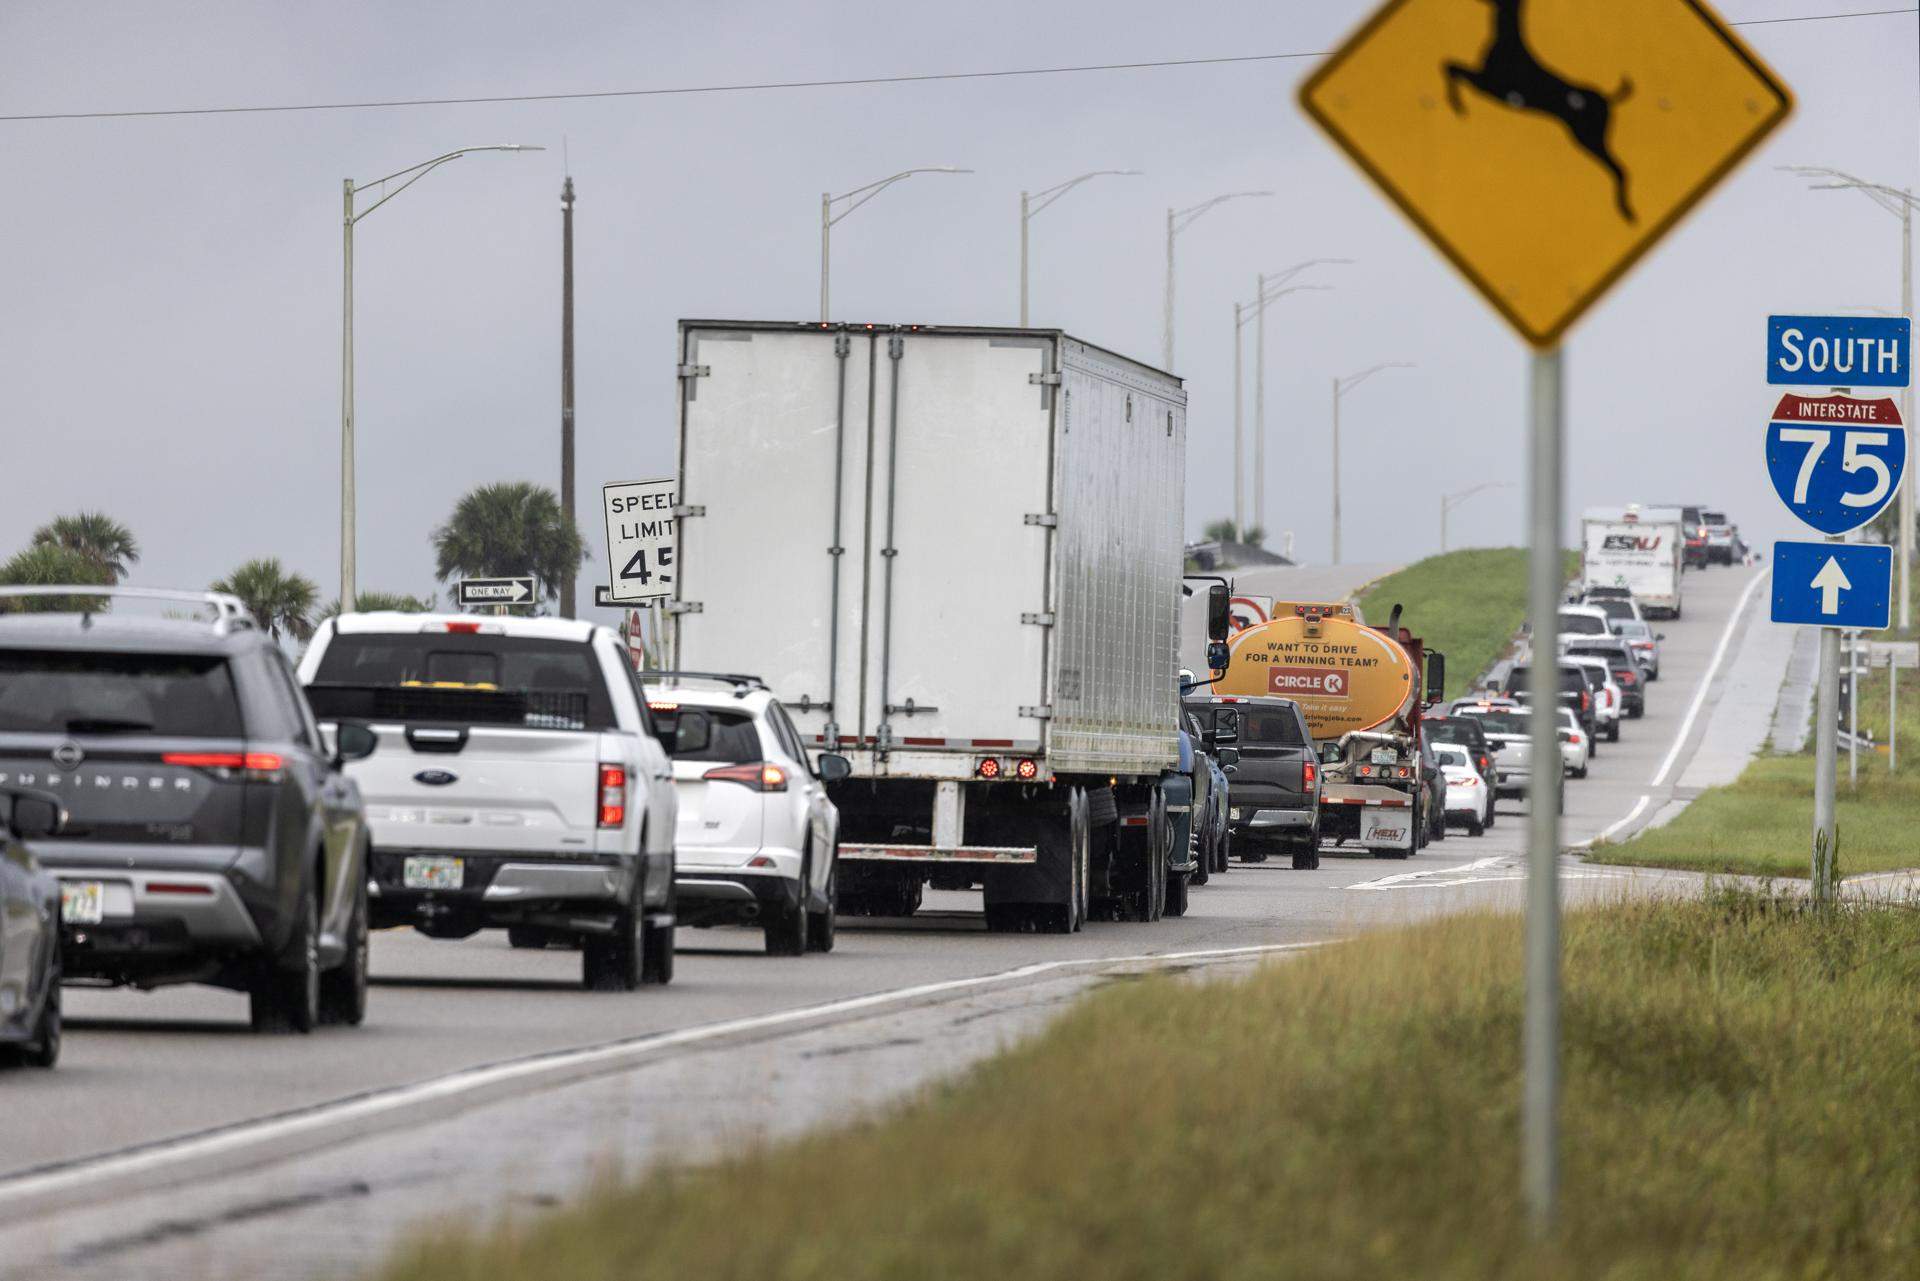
pixel 1486 762
pixel 178 887
pixel 988 768
pixel 1586 700
pixel 1027 770
pixel 1405 772
pixel 759 777
pixel 1308 773
pixel 1628 678
pixel 1366 771
pixel 1574 739
pixel 463 629
pixel 613 795
pixel 265 766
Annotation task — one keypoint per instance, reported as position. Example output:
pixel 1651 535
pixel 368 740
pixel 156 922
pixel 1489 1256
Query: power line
pixel 765 85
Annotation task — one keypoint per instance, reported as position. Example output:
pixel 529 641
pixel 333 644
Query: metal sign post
pixel 1451 110
pixel 1540 1104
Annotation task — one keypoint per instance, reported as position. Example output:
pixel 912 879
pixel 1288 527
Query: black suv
pixel 1272 770
pixel 210 835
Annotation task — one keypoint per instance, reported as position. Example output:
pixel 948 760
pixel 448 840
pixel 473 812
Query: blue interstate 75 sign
pixel 1846 585
pixel 1839 351
pixel 1836 461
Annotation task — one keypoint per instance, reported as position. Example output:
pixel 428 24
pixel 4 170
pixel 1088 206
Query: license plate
pixel 433 873
pixel 82 902
pixel 1384 756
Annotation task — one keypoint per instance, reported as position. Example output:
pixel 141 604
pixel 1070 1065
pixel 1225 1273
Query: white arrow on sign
pixel 515 591
pixel 1830 582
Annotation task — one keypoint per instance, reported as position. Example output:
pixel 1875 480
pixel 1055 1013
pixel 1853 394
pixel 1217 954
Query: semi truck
pixel 1362 691
pixel 955 553
pixel 1642 549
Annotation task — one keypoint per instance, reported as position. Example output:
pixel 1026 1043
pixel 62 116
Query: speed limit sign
pixel 640 538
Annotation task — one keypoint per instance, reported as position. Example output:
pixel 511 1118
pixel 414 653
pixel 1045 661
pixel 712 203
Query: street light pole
pixel 1178 220
pixel 1268 289
pixel 1029 206
pixel 348 217
pixel 1239 450
pixel 1341 386
pixel 857 197
pixel 1897 201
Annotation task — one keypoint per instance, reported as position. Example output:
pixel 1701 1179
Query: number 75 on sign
pixel 641 529
pixel 1836 461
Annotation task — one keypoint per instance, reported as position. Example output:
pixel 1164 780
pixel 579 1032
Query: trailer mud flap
pixel 1386 829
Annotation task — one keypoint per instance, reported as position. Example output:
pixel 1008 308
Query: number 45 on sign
pixel 640 538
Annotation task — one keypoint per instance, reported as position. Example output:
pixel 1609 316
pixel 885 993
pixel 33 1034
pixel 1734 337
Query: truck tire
pixel 285 994
pixel 1177 893
pixel 1253 850
pixel 611 962
pixel 1306 855
pixel 528 937
pixel 43 1051
pixel 787 929
pixel 1474 826
pixel 343 989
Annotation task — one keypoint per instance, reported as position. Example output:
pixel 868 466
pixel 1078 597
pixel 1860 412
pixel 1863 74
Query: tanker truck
pixel 1362 692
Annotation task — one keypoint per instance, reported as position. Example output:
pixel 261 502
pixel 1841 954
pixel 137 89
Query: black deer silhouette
pixel 1509 73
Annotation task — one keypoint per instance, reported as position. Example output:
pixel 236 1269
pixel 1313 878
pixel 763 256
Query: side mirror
pixel 36 815
pixel 1217 656
pixel 832 767
pixel 1329 753
pixel 1226 725
pixel 1219 615
pixel 353 741
pixel 1436 676
pixel 1659 635
pixel 1228 757
pixel 692 733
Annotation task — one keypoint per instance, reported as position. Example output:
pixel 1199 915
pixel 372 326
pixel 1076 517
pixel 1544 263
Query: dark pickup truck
pixel 1273 775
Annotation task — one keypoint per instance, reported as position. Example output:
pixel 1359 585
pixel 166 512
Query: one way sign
pixel 1847 585
pixel 494 591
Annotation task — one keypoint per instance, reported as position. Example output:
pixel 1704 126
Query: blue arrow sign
pixel 1839 351
pixel 1836 461
pixel 1833 584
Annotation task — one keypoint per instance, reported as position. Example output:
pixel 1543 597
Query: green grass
pixel 1762 823
pixel 1740 1103
pixel 1468 604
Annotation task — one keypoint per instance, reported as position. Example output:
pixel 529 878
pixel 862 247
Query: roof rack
pixel 742 684
pixel 229 612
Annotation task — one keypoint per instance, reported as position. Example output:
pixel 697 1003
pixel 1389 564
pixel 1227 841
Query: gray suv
pixel 210 834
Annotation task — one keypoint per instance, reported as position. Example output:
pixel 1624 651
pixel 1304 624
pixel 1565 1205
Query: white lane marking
pixel 1606 833
pixel 1388 882
pixel 1565 875
pixel 1706 681
pixel 251 1142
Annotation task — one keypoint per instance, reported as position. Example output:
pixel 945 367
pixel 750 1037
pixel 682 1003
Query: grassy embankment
pixel 1740 1103
pixel 1762 822
pixel 1468 604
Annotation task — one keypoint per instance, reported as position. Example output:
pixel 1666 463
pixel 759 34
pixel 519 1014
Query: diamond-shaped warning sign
pixel 1544 145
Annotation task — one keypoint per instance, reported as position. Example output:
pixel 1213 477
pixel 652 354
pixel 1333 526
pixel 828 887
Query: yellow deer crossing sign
pixel 1544 145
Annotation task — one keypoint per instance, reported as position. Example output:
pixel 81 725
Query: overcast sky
pixel 169 342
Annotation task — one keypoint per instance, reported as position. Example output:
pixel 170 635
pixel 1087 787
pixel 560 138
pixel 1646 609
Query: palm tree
pixel 1225 531
pixel 514 527
pixel 279 601
pixel 96 536
pixel 48 565
pixel 398 602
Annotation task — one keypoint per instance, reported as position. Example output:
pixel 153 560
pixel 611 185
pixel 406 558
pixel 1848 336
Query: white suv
pixel 758 840
pixel 1610 700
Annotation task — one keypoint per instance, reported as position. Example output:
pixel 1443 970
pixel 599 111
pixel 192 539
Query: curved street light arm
pixel 421 170
pixel 860 195
pixel 1888 198
pixel 1283 276
pixel 1275 295
pixel 1184 218
pixel 1453 500
pixel 1041 199
pixel 1344 385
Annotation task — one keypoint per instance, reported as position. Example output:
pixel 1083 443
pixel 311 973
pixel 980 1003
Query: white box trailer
pixel 1640 548
pixel 955 554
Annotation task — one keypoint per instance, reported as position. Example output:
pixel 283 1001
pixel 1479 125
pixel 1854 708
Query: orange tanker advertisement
pixel 1345 676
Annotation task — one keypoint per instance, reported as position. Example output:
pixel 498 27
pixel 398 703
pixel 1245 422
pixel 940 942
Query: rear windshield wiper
pixel 107 725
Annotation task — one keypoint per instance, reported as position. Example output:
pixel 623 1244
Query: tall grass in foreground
pixel 1741 1102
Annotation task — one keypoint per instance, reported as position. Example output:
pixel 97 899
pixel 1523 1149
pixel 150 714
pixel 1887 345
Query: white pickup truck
pixel 520 785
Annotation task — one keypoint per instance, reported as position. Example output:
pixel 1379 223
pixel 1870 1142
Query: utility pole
pixel 1239 449
pixel 566 376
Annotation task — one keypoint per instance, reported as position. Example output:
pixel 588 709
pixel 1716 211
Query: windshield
pixel 1496 721
pixel 1583 625
pixel 1713 518
pixel 1615 607
pixel 1447 754
pixel 1634 628
pixel 80 692
pixel 457 676
pixel 1259 726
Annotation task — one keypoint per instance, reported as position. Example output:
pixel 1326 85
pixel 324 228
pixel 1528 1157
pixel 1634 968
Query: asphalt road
pixel 142 1068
